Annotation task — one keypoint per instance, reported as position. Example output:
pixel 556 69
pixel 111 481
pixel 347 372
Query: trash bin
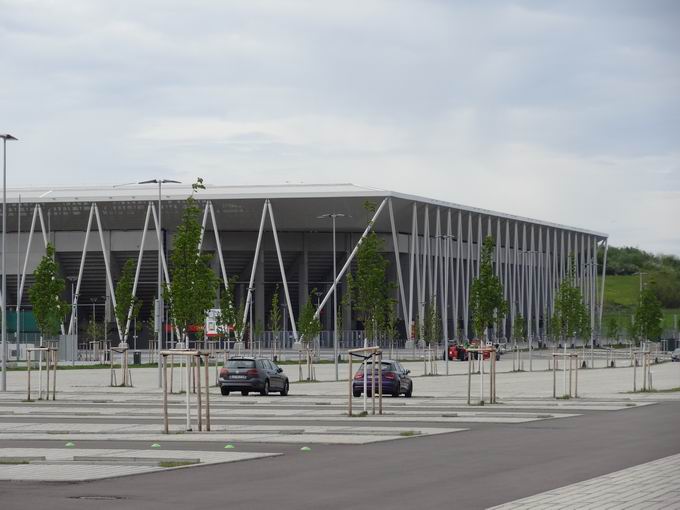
pixel 136 357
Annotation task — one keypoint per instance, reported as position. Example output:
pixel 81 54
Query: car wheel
pixel 244 393
pixel 284 392
pixel 224 391
pixel 265 390
pixel 410 391
pixel 357 394
pixel 396 391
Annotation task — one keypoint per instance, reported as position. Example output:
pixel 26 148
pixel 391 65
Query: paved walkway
pixel 77 464
pixel 651 485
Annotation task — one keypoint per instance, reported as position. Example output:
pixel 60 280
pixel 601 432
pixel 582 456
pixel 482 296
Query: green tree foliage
pixel 647 321
pixel 432 325
pixel 239 323
pixel 125 300
pixel 368 287
pixel 519 328
pixel 45 295
pixel 626 260
pixel 486 294
pixel 193 286
pixel 613 328
pixel 391 319
pixel 667 287
pixel 664 269
pixel 308 325
pixel 275 313
pixel 571 318
pixel 94 330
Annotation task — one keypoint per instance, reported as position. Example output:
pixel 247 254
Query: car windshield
pixel 386 367
pixel 236 364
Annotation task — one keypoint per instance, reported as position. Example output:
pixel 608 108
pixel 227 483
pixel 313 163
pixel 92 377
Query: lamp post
pixel 250 322
pixel 159 308
pixel 445 304
pixel 333 216
pixel 94 340
pixel 74 315
pixel 4 137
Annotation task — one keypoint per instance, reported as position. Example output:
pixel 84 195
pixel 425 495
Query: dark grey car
pixel 246 374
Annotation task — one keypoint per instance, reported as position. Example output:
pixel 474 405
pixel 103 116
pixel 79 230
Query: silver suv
pixel 246 374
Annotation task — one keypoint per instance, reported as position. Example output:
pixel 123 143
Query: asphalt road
pixel 479 468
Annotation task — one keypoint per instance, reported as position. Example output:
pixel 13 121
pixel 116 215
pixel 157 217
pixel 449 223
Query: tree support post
pixel 375 355
pixel 48 355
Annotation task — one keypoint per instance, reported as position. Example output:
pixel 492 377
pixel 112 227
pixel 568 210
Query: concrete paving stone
pixel 592 383
pixel 644 486
pixel 60 465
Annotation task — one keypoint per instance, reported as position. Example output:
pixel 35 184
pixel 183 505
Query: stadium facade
pixel 278 236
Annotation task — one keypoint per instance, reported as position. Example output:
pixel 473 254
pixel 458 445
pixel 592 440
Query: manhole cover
pixel 98 498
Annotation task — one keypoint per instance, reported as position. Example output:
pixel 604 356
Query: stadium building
pixel 282 236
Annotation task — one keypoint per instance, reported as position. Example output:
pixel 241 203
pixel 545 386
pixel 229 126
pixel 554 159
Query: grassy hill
pixel 621 294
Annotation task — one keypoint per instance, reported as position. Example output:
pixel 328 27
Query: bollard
pixel 349 400
pixel 554 375
pixel 576 379
pixel 469 377
pixel 207 395
pixel 164 360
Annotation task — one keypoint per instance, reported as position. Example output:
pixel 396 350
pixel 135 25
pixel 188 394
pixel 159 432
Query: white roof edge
pixel 479 210
pixel 136 192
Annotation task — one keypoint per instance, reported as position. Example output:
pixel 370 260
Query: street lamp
pixel 251 290
pixel 159 309
pixel 74 315
pixel 4 137
pixel 445 305
pixel 333 216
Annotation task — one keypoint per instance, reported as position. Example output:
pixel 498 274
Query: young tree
pixel 648 315
pixel 432 329
pixel 228 314
pixel 45 294
pixel 239 323
pixel 486 294
pixel 309 328
pixel 126 302
pixel 193 288
pixel 275 319
pixel 519 332
pixel 368 288
pixel 613 328
pixel 631 331
pixel 571 318
pixel 390 325
pixel 94 330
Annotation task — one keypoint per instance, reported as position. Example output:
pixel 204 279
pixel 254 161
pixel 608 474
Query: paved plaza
pixel 650 485
pixel 96 432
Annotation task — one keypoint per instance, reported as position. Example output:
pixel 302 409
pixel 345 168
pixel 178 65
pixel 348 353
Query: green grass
pixel 621 294
pixel 176 463
pixel 622 290
pixel 409 433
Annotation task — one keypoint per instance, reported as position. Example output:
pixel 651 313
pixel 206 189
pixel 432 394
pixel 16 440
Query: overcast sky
pixel 563 111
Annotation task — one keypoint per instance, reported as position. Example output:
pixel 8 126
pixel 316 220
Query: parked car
pixel 459 352
pixel 395 379
pixel 246 374
pixel 675 355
